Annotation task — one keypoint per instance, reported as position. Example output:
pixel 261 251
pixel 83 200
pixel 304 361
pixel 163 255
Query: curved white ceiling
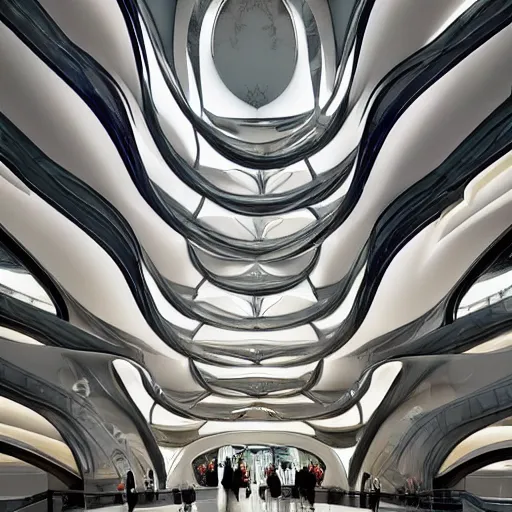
pixel 255 257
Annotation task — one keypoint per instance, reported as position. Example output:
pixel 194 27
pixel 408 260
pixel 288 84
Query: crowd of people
pixel 127 487
pixel 235 479
pixel 238 478
pixel 306 481
pixel 313 468
pixel 208 475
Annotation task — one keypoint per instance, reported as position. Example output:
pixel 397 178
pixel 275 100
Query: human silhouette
pixel 131 492
pixel 274 484
pixel 229 486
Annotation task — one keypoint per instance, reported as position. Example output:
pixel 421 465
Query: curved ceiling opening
pixel 255 49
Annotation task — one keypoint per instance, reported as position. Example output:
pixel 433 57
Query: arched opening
pixel 469 466
pixel 256 461
pixel 58 476
pixel 34 458
pixel 181 468
pixel 20 479
pixel 488 475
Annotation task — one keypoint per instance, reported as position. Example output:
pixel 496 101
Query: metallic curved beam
pixel 67 388
pixel 422 430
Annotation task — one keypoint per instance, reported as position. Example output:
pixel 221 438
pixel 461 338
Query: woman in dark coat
pixel 228 483
pixel 212 476
pixel 227 477
pixel 274 484
pixel 310 482
pixel 238 481
pixel 131 494
pixel 301 481
pixel 364 494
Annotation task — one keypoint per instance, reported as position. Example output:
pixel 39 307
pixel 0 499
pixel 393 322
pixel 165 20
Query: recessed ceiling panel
pixel 255 49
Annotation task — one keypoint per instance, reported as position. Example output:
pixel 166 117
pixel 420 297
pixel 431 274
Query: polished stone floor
pixel 252 504
pixel 211 506
pixel 256 505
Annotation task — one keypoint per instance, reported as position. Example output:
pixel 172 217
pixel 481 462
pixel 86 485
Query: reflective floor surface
pixel 256 505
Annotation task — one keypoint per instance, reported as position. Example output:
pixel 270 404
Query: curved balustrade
pixel 440 501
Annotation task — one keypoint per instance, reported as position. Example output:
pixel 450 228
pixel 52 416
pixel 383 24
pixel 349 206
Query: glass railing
pixel 13 504
pixel 437 501
pixel 60 501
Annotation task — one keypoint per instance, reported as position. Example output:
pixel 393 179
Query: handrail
pixel 421 501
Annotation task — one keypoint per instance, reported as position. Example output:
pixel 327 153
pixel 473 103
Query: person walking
pixel 231 487
pixel 131 492
pixel 374 495
pixel 310 482
pixel 274 490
